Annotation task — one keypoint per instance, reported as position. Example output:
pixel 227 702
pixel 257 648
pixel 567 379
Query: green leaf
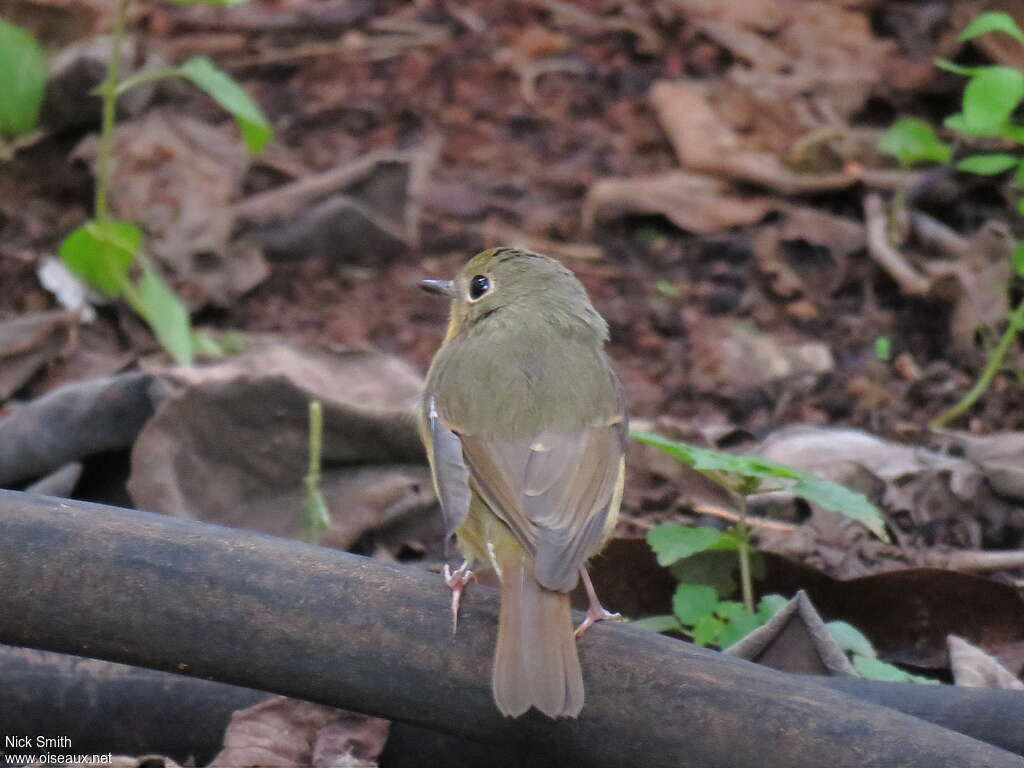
pixel 992 21
pixel 714 568
pixel 315 514
pixel 957 123
pixel 739 626
pixel 672 541
pixel 166 315
pixel 911 141
pixel 664 623
pixel 769 605
pixel 808 486
pixel 692 602
pixel 23 74
pixel 707 629
pixel 850 639
pixel 883 349
pixel 256 131
pixel 727 609
pixel 101 252
pixel 987 165
pixel 1017 256
pixel 875 669
pixel 957 69
pixel 1012 132
pixel 991 97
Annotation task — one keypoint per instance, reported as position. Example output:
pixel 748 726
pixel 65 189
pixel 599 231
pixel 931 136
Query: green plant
pixel 703 560
pixel 991 99
pixel 696 554
pixel 865 658
pixel 316 518
pixel 107 253
pixel 23 72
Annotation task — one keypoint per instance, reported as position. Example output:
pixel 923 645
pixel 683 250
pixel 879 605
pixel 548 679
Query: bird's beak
pixel 443 287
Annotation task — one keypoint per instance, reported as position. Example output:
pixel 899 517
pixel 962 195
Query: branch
pixel 355 633
pixel 104 707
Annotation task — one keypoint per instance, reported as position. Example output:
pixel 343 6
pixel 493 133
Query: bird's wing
pixel 451 476
pixel 555 491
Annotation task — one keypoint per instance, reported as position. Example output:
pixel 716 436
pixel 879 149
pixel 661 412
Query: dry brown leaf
pixel 177 176
pixel 999 456
pixel 798 49
pixel 30 342
pixel 359 212
pixel 705 142
pixel 692 201
pixel 727 353
pixel 231 446
pixel 924 486
pixel 974 668
pixel 287 733
pixel 797 272
pixel 975 274
pixel 795 640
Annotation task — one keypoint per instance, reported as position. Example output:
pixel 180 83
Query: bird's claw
pixel 456 581
pixel 595 613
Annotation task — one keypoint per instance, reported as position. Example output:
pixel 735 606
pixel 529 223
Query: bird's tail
pixel 535 662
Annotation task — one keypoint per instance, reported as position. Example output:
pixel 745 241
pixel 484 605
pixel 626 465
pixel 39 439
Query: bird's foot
pixel 456 581
pixel 595 611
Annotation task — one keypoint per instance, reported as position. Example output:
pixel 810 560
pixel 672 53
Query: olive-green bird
pixel 525 425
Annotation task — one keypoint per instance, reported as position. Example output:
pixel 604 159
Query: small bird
pixel 524 420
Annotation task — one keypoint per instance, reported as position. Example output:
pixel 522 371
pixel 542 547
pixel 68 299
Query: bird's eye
pixel 478 286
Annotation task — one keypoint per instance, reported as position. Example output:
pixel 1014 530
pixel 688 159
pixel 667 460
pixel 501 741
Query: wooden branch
pixel 105 707
pixel 352 632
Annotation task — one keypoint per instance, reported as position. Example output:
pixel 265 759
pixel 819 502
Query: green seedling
pixel 107 254
pixel 704 560
pixel 316 518
pixel 991 100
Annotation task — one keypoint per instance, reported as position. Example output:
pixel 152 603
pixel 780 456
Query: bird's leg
pixel 595 611
pixel 457 581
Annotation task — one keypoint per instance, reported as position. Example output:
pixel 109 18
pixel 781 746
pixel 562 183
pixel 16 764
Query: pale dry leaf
pixel 974 668
pixel 729 354
pixel 287 733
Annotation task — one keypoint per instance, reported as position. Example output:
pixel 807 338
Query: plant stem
pixel 316 429
pixel 746 582
pixel 992 366
pixel 108 93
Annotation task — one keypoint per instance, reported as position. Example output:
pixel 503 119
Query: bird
pixel 525 424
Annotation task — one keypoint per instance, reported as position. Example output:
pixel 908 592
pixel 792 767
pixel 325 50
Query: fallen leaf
pixel 730 354
pixel 30 342
pixel 178 176
pixel 692 201
pixel 704 142
pixel 974 668
pixel 287 733
pixel 795 640
pixel 216 452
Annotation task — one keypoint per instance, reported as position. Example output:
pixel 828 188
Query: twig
pixel 884 254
